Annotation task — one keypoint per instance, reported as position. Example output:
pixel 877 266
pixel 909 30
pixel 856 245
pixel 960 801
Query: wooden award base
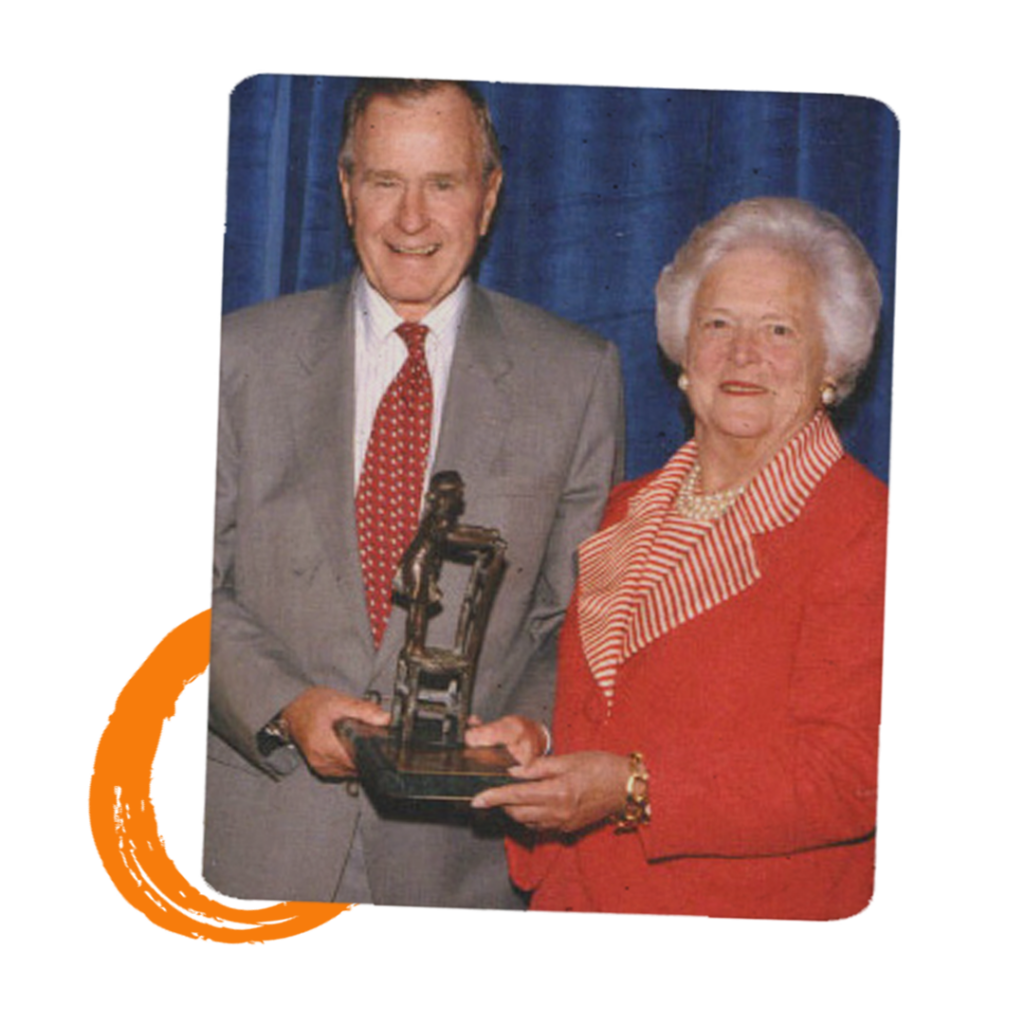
pixel 422 770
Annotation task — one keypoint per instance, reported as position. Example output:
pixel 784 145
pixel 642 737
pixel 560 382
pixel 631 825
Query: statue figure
pixel 437 682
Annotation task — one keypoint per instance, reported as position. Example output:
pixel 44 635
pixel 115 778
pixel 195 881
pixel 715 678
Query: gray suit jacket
pixel 533 422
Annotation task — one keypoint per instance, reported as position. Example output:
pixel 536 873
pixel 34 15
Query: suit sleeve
pixel 810 782
pixel 252 674
pixel 596 465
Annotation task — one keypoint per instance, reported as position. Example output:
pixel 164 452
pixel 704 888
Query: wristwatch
pixel 273 735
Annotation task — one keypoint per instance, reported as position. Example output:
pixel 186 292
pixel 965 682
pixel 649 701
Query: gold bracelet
pixel 637 811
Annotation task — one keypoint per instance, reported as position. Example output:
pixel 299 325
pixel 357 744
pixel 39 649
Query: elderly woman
pixel 716 723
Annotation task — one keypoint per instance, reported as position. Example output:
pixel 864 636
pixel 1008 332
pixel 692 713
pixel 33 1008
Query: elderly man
pixel 336 407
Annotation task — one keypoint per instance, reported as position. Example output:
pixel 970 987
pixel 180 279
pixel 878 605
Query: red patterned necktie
pixel 391 483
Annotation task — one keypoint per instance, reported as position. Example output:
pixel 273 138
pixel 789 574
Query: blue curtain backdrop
pixel 602 185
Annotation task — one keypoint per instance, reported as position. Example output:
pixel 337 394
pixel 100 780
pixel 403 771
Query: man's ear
pixel 346 193
pixel 491 191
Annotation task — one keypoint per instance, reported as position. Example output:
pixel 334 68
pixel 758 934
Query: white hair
pixel 849 296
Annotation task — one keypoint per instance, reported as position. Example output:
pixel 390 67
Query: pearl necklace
pixel 692 503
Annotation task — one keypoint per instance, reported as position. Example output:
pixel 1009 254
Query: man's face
pixel 416 199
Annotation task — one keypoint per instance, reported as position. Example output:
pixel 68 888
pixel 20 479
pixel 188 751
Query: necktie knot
pixel 414 335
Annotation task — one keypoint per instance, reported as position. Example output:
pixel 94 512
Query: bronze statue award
pixel 422 755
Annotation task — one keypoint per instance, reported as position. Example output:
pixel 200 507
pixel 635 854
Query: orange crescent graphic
pixel 123 820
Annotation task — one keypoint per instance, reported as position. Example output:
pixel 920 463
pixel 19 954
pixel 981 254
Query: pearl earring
pixel 684 381
pixel 828 394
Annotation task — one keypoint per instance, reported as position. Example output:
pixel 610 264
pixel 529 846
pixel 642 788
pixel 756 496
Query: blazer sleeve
pixel 252 673
pixel 806 780
pixel 595 466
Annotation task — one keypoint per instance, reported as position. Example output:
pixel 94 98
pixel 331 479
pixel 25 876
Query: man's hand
pixel 524 738
pixel 310 720
pixel 563 794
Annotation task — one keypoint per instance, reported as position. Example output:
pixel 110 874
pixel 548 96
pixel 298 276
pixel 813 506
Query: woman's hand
pixel 524 738
pixel 563 794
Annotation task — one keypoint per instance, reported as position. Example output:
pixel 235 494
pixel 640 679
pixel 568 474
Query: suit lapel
pixel 478 406
pixel 323 417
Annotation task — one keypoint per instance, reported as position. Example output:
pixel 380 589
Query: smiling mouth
pixel 739 387
pixel 414 250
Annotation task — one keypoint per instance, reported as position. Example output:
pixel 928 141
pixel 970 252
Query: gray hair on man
pixel 411 89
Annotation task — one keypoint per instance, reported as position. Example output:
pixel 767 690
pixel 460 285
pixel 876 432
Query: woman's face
pixel 755 354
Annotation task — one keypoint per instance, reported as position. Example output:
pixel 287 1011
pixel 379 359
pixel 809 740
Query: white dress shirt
pixel 380 353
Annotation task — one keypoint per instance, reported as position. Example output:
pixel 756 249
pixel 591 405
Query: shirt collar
pixel 380 319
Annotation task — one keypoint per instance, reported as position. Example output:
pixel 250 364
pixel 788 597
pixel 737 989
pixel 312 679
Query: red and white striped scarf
pixel 654 570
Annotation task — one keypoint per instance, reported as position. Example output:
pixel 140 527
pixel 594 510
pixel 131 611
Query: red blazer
pixel 758 721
